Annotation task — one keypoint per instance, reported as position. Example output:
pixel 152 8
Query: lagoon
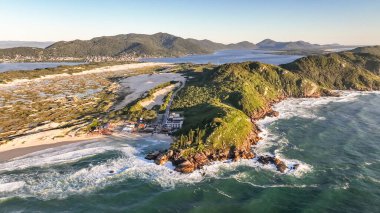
pixel 230 56
pixel 4 67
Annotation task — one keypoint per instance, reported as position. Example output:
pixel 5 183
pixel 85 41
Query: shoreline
pixel 257 138
pixel 16 152
pixel 22 151
pixel 19 152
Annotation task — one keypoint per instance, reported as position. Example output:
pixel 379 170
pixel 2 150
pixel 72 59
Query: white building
pixel 174 121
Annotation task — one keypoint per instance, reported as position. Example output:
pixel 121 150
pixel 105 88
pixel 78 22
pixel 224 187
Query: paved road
pixel 167 110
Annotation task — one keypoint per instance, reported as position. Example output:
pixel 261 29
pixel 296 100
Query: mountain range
pixel 127 46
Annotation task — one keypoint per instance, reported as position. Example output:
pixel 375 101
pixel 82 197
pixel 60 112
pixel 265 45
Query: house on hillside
pixel 174 121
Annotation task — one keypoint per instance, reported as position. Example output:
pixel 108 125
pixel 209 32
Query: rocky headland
pixel 235 96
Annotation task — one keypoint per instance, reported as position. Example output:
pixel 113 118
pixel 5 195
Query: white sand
pixel 114 68
pixel 138 85
pixel 43 138
pixel 158 97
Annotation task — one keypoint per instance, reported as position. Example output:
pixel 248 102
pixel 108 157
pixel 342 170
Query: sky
pixel 355 22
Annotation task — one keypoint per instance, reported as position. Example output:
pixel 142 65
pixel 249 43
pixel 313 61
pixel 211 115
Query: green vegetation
pixel 220 101
pixel 93 125
pixel 69 101
pixel 358 69
pixel 373 50
pixel 166 102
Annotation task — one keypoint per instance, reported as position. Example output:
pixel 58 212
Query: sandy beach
pixel 38 138
pixel 18 152
pixel 11 151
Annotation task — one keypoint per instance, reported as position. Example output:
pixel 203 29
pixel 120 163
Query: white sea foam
pixel 40 176
pixel 12 186
pixel 223 193
pixel 53 157
pixel 296 107
pixel 47 181
pixel 246 179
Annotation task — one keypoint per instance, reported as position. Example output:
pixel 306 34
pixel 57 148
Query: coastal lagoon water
pixel 31 66
pixel 335 140
pixel 230 56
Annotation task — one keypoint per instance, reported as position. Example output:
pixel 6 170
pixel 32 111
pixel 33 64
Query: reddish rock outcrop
pixel 201 159
pixel 161 159
pixel 273 113
pixel 198 160
pixel 280 165
pixel 185 167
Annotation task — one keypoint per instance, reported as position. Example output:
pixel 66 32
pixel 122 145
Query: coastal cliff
pixel 222 103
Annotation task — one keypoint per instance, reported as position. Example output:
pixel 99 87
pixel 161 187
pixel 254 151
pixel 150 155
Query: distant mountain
pixel 132 46
pixel 123 46
pixel 12 44
pixel 269 44
pixel 242 45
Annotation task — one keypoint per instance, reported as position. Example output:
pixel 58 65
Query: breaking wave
pixel 76 169
pixel 295 107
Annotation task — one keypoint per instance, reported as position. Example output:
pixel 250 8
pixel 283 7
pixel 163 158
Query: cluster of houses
pixel 137 127
pixel 172 123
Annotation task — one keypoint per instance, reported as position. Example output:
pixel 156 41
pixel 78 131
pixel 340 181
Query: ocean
pixel 230 56
pixel 335 140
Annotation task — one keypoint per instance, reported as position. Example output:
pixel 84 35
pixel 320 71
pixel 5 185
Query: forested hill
pixel 357 69
pixel 126 45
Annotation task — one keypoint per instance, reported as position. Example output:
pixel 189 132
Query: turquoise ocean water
pixel 336 141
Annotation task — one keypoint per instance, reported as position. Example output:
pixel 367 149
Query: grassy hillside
pixel 358 69
pixel 220 103
pixel 373 50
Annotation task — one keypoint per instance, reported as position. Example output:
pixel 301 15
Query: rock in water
pixel 161 159
pixel 152 155
pixel 273 113
pixel 280 165
pixel 200 159
pixel 265 159
pixel 185 167
pixel 247 154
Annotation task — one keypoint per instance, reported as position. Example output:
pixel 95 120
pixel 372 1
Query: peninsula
pixel 210 111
